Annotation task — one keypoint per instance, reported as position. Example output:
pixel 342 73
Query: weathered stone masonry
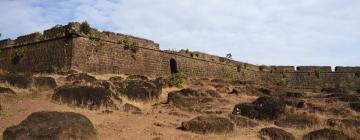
pixel 65 47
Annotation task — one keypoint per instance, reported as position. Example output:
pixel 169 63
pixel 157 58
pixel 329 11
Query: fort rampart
pixel 67 47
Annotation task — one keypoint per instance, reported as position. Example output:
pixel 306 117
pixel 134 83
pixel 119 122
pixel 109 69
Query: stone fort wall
pixel 66 47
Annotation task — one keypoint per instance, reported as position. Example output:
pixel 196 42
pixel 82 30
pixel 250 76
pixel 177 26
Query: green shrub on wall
pixel 317 74
pixel 176 80
pixel 132 46
pixel 238 67
pixel 85 27
pixel 282 82
pixel 19 54
pixel 357 74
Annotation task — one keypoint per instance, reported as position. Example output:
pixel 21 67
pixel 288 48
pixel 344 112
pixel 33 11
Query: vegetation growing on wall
pixel 19 54
pixel 85 27
pixel 357 74
pixel 317 74
pixel 132 46
pixel 176 80
pixel 282 82
pixel 261 68
pixel 238 67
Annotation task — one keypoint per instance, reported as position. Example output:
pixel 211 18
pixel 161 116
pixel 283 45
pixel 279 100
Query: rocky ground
pixel 127 107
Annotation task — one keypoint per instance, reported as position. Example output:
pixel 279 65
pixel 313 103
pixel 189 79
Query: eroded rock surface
pixel 52 126
pixel 208 124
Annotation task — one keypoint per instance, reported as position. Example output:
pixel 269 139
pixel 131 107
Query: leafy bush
pixel 176 80
pixel 282 82
pixel 238 67
pixel 85 27
pixel 357 74
pixel 133 47
pixel 19 54
pixel 317 74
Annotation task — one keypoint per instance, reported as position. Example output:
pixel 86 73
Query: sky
pixel 270 32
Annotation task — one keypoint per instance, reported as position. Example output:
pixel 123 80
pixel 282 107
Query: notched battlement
pixel 313 69
pixel 347 69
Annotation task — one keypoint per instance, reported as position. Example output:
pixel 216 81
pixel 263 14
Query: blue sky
pixel 272 32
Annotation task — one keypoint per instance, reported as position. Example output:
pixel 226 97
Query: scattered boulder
pixel 294 102
pixel 142 90
pixel 44 82
pixel 131 108
pixel 137 77
pixel 265 91
pixel 294 94
pixel 194 100
pixel 17 80
pixel 296 121
pixel 116 79
pixel 343 97
pixel 355 106
pixel 264 108
pixel 208 124
pixel 4 90
pixel 52 125
pixel 84 96
pixel 332 90
pixel 81 77
pixel 345 123
pixel 326 134
pixel 272 133
pixel 241 121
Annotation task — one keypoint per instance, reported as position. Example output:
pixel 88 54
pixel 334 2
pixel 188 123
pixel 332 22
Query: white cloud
pixel 303 32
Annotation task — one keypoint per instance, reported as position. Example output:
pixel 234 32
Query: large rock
pixel 44 82
pixel 80 77
pixel 142 90
pixel 208 124
pixel 264 108
pixel 17 80
pixel 137 77
pixel 241 121
pixel 345 123
pixel 333 90
pixel 343 97
pixel 197 100
pixel 355 106
pixel 4 90
pixel 84 96
pixel 296 121
pixel 272 133
pixel 326 134
pixel 52 126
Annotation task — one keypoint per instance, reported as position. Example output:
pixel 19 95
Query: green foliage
pixel 196 54
pixel 357 74
pixel 176 80
pixel 132 46
pixel 229 56
pixel 317 74
pixel 85 27
pixel 19 54
pixel 238 67
pixel 187 51
pixel 282 82
pixel 261 68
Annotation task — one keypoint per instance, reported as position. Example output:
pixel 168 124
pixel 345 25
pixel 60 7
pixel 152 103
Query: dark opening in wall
pixel 173 66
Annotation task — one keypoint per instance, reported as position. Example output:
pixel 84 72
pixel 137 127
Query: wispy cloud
pixel 303 32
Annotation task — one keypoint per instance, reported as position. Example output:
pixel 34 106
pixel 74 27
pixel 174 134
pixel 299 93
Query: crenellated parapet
pixel 313 69
pixel 347 69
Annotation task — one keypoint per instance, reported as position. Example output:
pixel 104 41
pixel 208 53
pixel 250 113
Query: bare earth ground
pixel 156 120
